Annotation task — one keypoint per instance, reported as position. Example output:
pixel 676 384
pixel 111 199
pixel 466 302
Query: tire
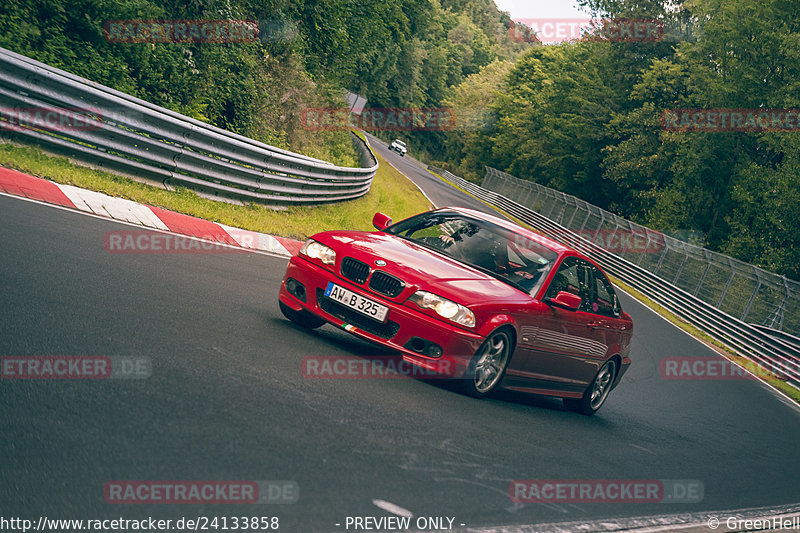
pixel 597 392
pixel 488 366
pixel 301 318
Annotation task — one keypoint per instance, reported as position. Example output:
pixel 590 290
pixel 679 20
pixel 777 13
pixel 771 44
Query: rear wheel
pixel 489 365
pixel 301 318
pixel 597 392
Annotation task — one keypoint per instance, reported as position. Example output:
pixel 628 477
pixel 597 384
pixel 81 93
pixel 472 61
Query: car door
pixel 609 329
pixel 566 350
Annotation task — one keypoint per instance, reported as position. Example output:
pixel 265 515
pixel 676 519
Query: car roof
pixel 512 226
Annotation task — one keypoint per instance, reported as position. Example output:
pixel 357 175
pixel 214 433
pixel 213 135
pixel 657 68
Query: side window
pixel 605 302
pixel 583 279
pixel 586 286
pixel 566 279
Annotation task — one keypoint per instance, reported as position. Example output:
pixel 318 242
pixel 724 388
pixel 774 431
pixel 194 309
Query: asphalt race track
pixel 226 400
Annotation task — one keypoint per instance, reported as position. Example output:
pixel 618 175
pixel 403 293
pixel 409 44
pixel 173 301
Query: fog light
pixel 296 289
pixel 424 347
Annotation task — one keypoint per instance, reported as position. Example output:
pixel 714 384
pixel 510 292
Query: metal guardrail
pixel 779 355
pixel 114 130
pixel 791 339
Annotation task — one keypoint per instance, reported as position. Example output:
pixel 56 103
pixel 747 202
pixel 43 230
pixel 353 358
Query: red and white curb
pixel 16 183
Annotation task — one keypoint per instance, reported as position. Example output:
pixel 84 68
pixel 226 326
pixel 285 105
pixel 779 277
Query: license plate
pixel 356 302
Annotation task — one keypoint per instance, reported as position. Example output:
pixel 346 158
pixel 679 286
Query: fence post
pixel 703 277
pixel 560 218
pixel 528 197
pixel 727 285
pixel 680 268
pixel 663 255
pixel 537 201
pixel 599 228
pixel 779 312
pixel 622 247
pixel 585 220
pixel 568 225
pixel 752 296
pixel 552 204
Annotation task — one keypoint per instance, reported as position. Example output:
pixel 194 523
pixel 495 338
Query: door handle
pixel 592 325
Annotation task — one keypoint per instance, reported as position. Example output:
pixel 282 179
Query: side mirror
pixel 565 300
pixel 381 221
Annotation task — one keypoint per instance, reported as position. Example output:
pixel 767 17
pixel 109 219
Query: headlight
pixel 444 308
pixel 315 250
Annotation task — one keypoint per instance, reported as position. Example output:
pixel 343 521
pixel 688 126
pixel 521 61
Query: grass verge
pixel 391 192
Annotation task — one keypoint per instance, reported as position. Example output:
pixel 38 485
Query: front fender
pixel 496 322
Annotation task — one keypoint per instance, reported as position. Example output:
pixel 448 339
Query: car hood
pixel 421 268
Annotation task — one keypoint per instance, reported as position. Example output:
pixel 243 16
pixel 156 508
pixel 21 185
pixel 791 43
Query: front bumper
pixel 404 326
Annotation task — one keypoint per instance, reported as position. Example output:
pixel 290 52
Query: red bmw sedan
pixel 472 297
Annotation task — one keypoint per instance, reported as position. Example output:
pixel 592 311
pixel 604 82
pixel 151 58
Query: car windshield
pixel 504 254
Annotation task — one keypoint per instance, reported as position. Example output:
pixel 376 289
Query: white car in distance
pixel 399 147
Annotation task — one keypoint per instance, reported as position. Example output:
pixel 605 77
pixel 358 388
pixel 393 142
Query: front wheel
pixel 489 365
pixel 301 318
pixel 597 392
